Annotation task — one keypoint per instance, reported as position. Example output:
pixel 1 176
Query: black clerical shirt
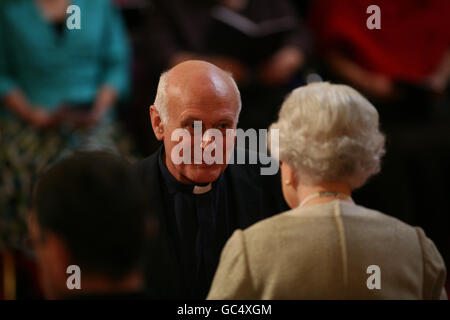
pixel 200 225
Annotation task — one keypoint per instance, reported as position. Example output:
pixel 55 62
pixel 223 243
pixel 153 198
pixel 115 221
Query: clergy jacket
pixel 254 197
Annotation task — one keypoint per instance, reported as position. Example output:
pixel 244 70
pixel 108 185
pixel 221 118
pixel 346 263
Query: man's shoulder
pixel 145 162
pixel 146 167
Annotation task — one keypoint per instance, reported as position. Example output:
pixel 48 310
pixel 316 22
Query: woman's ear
pixel 288 175
pixel 289 185
pixel 157 125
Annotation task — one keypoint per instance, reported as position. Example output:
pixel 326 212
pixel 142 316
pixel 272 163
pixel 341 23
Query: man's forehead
pixel 201 102
pixel 201 86
pixel 207 114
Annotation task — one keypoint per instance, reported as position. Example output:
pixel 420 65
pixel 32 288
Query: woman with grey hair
pixel 328 247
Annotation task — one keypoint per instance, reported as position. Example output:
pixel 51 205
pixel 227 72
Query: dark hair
pixel 96 206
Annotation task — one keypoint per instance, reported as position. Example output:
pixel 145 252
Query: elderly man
pixel 199 205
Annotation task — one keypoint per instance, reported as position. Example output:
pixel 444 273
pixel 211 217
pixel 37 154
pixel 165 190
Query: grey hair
pixel 161 96
pixel 330 133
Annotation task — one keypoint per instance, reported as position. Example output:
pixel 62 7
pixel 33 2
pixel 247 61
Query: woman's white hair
pixel 330 133
pixel 161 96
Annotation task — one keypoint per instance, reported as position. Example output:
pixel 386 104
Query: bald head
pixel 195 81
pixel 189 94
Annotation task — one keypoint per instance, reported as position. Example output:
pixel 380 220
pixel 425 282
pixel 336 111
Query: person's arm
pixel 300 37
pixel 378 85
pixel 434 273
pixel 115 79
pixel 290 57
pixel 17 102
pixel 11 97
pixel 233 279
pixel 438 80
pixel 7 84
pixel 282 66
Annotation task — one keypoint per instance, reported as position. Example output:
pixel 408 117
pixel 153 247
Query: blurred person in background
pixel 330 144
pixel 404 69
pixel 58 89
pixel 403 64
pixel 261 42
pixel 89 210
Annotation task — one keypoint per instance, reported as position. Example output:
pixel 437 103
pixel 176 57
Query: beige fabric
pixel 323 252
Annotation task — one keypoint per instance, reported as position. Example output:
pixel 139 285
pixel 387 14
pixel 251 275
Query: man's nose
pixel 207 139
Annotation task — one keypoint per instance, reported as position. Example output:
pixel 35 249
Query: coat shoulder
pixel 145 166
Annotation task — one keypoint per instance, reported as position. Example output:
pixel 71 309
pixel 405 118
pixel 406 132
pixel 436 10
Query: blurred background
pixel 64 89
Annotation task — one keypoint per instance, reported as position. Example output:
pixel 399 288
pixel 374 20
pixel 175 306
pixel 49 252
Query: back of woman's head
pixel 330 133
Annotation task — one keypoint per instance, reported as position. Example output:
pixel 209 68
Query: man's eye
pixel 223 126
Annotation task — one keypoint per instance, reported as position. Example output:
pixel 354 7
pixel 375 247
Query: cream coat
pixel 323 251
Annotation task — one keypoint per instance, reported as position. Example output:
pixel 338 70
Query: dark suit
pixel 254 196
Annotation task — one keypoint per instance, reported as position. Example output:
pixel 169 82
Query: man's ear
pixel 157 125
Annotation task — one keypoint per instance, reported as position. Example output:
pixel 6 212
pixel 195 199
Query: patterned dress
pixel 53 67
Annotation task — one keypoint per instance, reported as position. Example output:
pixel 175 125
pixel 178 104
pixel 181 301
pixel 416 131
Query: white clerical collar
pixel 202 189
